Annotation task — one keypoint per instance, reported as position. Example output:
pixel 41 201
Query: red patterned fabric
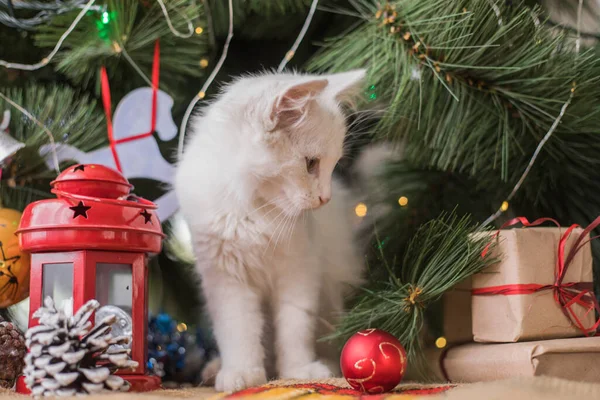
pixel 325 390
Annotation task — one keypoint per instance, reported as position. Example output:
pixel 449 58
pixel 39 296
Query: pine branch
pixel 101 38
pixel 428 194
pixel 511 78
pixel 442 253
pixel 468 92
pixel 72 117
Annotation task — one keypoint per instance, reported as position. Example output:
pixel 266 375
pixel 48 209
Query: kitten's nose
pixel 324 199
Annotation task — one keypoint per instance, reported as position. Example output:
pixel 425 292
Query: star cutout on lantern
pixel 147 216
pixel 80 167
pixel 80 210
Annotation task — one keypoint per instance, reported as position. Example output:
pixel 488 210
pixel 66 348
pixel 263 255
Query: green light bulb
pixel 105 17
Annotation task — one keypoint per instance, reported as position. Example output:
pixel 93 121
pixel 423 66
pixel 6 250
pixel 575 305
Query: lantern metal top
pixel 94 210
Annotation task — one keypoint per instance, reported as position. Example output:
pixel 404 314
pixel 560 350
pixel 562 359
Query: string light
pixel 117 47
pixel 182 327
pixel 505 203
pixel 105 19
pixel 361 209
pixel 441 342
pixel 199 30
pixel 204 63
pixel 290 54
pixel 46 60
pixel 171 27
pixel 121 50
pixel 202 93
pixel 578 40
pixel 542 142
pixel 496 11
pixel 371 93
pixel 403 201
pixel 517 186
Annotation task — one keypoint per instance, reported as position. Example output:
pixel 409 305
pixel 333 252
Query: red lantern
pixel 91 242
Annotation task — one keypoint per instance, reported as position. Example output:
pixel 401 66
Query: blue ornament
pixel 174 353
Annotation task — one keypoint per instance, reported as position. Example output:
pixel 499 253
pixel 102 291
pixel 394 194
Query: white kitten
pixel 259 162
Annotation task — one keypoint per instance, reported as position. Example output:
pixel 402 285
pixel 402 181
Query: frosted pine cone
pixel 12 354
pixel 66 357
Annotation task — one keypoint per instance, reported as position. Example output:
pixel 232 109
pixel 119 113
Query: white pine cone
pixel 64 353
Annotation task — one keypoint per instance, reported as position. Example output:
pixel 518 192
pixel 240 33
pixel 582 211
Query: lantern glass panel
pixel 114 292
pixel 58 284
pixel 114 285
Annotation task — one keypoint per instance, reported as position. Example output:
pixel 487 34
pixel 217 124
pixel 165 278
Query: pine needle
pixel 441 254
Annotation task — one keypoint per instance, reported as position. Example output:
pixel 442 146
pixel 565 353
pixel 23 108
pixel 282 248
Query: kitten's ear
pixel 346 86
pixel 291 107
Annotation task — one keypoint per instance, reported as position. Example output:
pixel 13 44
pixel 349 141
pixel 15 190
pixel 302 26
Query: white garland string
pixel 171 27
pixel 202 92
pixel 506 203
pixel 496 11
pixel 46 60
pixel 578 41
pixel 135 66
pixel 292 51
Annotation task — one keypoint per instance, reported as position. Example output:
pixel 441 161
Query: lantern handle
pixel 138 202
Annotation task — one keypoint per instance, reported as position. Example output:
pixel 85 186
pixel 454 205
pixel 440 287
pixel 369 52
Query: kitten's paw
pixel 231 380
pixel 314 370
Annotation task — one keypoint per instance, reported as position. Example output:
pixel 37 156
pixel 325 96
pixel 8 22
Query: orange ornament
pixel 14 265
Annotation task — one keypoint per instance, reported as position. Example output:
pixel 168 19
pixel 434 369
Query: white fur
pixel 268 254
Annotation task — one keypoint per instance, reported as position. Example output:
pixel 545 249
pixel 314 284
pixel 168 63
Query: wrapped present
pixel 457 313
pixel 574 359
pixel 541 288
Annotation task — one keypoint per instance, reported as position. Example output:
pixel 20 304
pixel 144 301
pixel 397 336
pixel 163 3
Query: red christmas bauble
pixel 373 361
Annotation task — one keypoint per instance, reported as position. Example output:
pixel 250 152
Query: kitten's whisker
pixel 269 203
pixel 281 212
pixel 277 218
pixel 288 232
pixel 283 228
pixel 291 230
pixel 270 211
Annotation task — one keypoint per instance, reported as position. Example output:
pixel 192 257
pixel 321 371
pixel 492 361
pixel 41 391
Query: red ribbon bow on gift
pixel 566 294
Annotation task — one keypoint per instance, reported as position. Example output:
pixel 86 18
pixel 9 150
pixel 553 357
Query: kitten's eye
pixel 312 164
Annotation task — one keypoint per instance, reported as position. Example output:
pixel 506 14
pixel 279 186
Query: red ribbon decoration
pixel 105 88
pixel 566 294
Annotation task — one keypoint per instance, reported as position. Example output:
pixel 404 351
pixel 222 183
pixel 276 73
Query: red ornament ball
pixel 373 361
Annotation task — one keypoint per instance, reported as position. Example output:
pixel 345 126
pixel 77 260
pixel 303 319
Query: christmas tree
pixel 493 105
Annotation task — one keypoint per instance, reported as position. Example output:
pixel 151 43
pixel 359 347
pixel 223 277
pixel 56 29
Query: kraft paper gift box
pixel 457 319
pixel 574 359
pixel 529 256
